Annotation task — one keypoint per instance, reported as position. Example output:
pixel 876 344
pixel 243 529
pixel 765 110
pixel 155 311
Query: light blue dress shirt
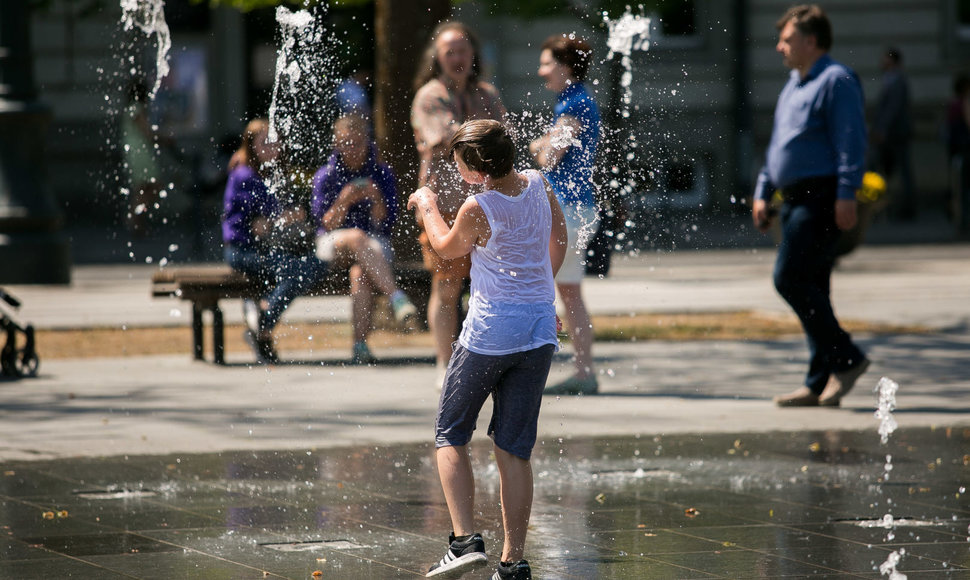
pixel 819 131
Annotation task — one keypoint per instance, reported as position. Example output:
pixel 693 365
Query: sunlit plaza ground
pixel 161 467
pixel 765 505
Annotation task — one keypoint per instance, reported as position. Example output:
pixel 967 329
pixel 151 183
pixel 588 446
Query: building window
pixel 962 13
pixel 678 18
pixel 674 24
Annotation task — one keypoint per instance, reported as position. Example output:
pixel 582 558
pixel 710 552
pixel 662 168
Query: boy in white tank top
pixel 516 234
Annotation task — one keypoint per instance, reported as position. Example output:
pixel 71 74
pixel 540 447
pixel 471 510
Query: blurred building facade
pixel 702 95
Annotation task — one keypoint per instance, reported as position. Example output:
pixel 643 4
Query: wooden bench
pixel 205 285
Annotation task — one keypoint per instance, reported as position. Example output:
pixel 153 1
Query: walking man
pixel 816 158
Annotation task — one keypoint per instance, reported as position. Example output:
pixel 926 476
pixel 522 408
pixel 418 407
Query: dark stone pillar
pixel 402 31
pixel 33 248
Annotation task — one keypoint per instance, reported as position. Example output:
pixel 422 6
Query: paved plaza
pixel 163 467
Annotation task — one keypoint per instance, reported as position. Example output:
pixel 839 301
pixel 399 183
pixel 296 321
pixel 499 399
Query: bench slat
pixel 206 285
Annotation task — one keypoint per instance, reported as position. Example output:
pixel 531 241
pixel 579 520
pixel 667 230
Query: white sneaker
pixel 251 314
pixel 361 355
pixel 402 306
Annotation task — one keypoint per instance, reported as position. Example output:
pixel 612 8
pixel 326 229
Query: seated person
pixel 355 204
pixel 252 219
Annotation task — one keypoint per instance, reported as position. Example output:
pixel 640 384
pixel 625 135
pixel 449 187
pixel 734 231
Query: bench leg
pixel 197 332
pixel 218 336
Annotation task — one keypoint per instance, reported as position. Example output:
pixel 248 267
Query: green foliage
pixel 247 5
pixel 591 9
pixel 80 7
pixel 518 8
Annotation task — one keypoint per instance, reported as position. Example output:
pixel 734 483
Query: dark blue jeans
pixel 802 276
pixel 284 276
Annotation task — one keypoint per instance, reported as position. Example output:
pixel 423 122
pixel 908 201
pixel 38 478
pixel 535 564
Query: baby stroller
pixel 16 362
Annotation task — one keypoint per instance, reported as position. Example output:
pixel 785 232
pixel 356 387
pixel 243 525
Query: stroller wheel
pixel 27 364
pixel 19 363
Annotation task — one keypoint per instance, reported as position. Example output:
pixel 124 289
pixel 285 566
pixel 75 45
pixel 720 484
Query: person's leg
pixel 468 384
pixel 579 326
pixel 910 203
pixel 443 313
pixel 517 401
pixel 259 267
pixel 356 246
pixel 295 276
pixel 458 484
pixel 802 276
pixel 580 224
pixel 362 301
pixel 515 475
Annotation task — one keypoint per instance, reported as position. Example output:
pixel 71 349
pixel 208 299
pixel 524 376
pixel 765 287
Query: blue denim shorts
pixel 515 381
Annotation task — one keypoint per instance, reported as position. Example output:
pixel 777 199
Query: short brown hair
pixel 484 145
pixel 810 20
pixel 572 51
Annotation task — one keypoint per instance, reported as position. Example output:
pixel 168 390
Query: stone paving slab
pixel 681 468
pixel 164 404
pixel 770 505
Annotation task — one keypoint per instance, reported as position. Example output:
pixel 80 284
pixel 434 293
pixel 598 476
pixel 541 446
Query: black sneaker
pixel 461 555
pixel 513 571
pixel 268 351
pixel 263 349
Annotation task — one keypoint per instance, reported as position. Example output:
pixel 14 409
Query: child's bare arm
pixel 471 225
pixel 549 149
pixel 558 239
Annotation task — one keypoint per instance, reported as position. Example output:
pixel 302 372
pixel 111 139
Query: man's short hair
pixel 810 20
pixel 895 55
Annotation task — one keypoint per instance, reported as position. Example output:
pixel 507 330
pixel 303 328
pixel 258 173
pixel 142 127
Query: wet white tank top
pixel 512 290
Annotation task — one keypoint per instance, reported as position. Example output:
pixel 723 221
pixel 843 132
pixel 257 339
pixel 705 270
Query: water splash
pixel 302 103
pixel 293 25
pixel 628 33
pixel 888 568
pixel 886 389
pixel 564 137
pixel 585 235
pixel 149 17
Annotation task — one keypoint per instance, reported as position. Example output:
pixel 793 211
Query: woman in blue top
pixel 567 152
pixel 354 205
pixel 251 215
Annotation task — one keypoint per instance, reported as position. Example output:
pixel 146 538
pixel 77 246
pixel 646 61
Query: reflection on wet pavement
pixel 712 506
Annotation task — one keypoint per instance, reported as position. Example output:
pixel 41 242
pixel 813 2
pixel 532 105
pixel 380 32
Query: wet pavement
pixel 767 505
pixel 161 467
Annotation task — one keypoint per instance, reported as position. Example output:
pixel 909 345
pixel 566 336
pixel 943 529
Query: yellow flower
pixel 873 187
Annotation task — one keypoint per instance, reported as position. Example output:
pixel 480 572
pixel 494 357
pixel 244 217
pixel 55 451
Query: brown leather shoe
pixel 802 397
pixel 841 383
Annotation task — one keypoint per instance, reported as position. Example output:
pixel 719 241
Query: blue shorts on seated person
pixel 515 381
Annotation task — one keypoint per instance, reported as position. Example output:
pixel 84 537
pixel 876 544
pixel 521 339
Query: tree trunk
pixel 402 30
